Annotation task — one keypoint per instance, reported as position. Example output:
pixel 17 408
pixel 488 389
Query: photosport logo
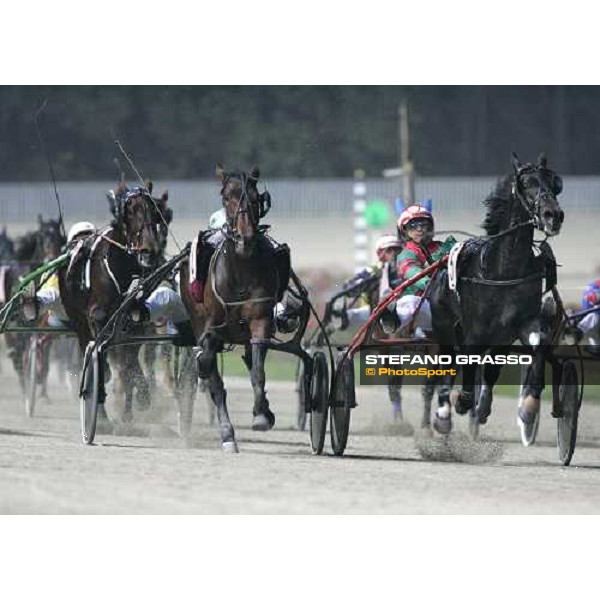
pixel 382 366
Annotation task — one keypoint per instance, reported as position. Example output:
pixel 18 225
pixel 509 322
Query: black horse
pixel 246 277
pixel 499 285
pixel 102 269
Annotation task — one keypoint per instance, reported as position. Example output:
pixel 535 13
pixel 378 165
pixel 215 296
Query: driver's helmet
pixel 218 219
pixel 416 211
pixel 386 242
pixel 591 295
pixel 79 228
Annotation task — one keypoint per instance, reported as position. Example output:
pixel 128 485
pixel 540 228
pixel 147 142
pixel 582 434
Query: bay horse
pixel 243 284
pixel 102 268
pixel 499 286
pixel 146 383
pixel 29 251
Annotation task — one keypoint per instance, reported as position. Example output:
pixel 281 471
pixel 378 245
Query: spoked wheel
pixel 186 384
pixel 319 400
pixel 300 397
pixel 474 412
pixel 344 400
pixel 569 412
pixel 88 400
pixel 31 375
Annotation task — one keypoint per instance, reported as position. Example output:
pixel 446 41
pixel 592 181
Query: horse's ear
pixel 149 186
pixel 255 172
pixel 516 163
pixel 542 160
pixel 40 220
pixel 165 196
pixel 220 172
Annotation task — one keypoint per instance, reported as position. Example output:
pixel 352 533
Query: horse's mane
pixel 498 206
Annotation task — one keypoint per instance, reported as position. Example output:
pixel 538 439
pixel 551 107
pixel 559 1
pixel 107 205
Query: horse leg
pixel 442 421
pixel 465 400
pixel 142 382
pixel 395 394
pixel 148 391
pixel 528 413
pixel 427 390
pixel 131 376
pixel 166 352
pixel 219 398
pixel 45 368
pixel 263 419
pixel 490 376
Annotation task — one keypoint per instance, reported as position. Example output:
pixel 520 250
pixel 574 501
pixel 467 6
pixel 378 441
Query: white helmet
pixel 218 219
pixel 388 241
pixel 79 228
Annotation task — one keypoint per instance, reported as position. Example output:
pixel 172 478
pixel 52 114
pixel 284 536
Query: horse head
pixel 50 239
pixel 537 188
pixel 244 206
pixel 139 225
pixel 166 216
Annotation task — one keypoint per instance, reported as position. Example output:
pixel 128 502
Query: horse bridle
pixel 134 247
pixel 531 208
pixel 264 201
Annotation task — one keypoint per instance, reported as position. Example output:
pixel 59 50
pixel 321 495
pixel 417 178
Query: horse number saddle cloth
pixel 204 246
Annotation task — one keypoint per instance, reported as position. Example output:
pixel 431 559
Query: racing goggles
pixel 420 224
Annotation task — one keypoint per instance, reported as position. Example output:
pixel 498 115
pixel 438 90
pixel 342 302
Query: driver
pixel 47 299
pixel 416 226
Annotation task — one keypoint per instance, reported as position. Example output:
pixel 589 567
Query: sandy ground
pixel 44 468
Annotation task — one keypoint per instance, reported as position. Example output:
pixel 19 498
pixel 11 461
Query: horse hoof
pixel 464 402
pixel 528 423
pixel 261 423
pixel 442 422
pixel 230 447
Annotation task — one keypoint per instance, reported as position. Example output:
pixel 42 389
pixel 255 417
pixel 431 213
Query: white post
pixel 361 238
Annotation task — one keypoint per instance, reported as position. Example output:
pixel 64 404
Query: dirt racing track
pixel 144 468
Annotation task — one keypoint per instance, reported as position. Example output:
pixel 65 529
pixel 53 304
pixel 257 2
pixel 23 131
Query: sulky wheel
pixel 344 400
pixel 569 404
pixel 31 375
pixel 88 400
pixel 319 401
pixel 300 397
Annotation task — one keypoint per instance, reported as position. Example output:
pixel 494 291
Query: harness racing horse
pixel 499 287
pixel 244 281
pixel 28 252
pixel 102 268
pixel 146 384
